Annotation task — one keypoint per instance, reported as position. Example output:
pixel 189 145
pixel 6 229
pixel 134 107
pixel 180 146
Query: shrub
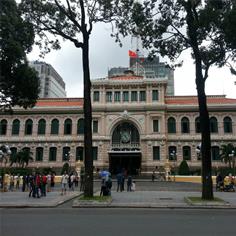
pixel 65 168
pixel 184 168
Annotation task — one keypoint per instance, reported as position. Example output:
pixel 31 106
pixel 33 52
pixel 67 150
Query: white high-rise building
pixel 51 83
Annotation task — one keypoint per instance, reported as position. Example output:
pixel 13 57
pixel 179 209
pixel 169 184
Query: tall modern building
pixel 51 83
pixel 149 68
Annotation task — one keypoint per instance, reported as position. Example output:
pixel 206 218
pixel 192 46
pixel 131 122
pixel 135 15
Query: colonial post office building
pixel 136 126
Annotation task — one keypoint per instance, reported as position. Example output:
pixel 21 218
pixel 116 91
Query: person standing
pixel 119 178
pixel 44 185
pixel 64 182
pixel 52 181
pixel 49 179
pixel 72 181
pixel 129 183
pixel 17 177
pixel 153 176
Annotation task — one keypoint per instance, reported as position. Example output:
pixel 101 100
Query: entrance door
pixel 131 162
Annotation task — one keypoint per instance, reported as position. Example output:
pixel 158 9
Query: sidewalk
pixel 161 199
pixel 22 200
pixel 162 195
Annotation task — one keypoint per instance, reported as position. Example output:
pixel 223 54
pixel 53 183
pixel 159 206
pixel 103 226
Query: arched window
pixel 66 154
pixel 52 154
pixel 39 154
pixel 213 125
pixel 197 125
pixel 67 126
pixel 80 126
pixel 55 126
pixel 126 134
pixel 15 127
pixel 186 153
pixel 28 127
pixel 185 125
pixel 41 127
pixel 215 153
pixel 227 125
pixel 3 127
pixel 172 150
pixel 171 125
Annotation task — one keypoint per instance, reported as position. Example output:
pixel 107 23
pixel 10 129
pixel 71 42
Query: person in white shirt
pixel 64 182
pixel 49 178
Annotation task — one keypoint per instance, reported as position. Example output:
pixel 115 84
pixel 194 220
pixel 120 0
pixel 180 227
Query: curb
pixel 52 205
pixel 153 207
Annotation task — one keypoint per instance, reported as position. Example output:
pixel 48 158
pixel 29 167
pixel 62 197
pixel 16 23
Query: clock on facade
pixel 125 136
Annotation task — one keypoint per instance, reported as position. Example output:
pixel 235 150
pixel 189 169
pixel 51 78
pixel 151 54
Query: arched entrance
pixel 125 151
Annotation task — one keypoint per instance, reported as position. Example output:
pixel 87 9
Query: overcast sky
pixel 105 53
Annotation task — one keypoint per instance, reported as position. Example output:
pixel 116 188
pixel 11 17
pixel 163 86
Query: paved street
pixel 107 222
pixel 164 212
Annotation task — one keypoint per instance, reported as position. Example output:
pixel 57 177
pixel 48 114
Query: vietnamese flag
pixel 132 54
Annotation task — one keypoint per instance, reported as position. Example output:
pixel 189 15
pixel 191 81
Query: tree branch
pixel 70 16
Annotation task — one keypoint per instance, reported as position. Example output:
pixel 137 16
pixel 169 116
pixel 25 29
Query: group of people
pixel 106 182
pixel 225 183
pixel 120 177
pixel 38 184
pixel 71 180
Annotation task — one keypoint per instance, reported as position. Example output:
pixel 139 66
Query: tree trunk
pixel 207 188
pixel 88 161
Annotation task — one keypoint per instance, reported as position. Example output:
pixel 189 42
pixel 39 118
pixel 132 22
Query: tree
pixel 227 154
pixel 169 27
pixel 23 158
pixel 71 20
pixel 19 84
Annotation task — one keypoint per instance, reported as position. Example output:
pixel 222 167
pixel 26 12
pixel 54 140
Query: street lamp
pixel 232 155
pixel 68 156
pixel 5 152
pixel 173 155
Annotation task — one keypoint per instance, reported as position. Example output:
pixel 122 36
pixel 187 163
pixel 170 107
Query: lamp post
pixel 173 155
pixel 5 152
pixel 68 158
pixel 232 155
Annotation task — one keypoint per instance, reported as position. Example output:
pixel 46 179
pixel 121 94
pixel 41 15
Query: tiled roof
pixel 59 102
pixel 126 77
pixel 193 100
